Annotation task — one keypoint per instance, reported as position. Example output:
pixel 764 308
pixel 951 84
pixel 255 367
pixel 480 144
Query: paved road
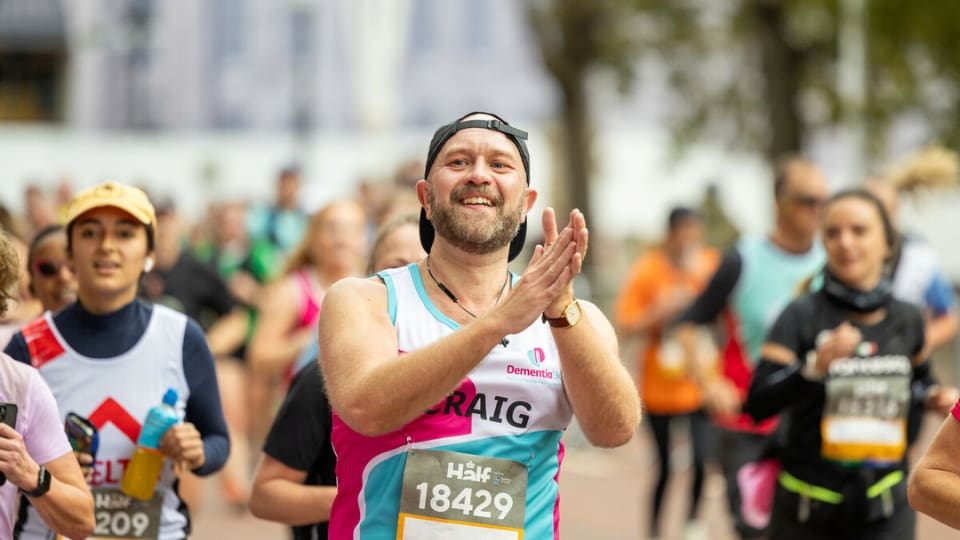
pixel 603 496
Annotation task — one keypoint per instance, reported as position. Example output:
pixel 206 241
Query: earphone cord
pixel 453 297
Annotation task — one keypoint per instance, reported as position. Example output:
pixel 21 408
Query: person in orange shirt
pixel 659 286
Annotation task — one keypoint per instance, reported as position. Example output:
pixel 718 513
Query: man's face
pixel 288 189
pixel 684 240
pixel 477 194
pixel 803 198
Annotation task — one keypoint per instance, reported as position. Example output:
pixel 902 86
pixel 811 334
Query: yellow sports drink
pixel 143 471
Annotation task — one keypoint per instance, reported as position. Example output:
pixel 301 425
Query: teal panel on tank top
pixel 769 280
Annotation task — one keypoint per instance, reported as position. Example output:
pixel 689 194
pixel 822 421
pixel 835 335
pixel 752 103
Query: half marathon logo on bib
pixel 454 495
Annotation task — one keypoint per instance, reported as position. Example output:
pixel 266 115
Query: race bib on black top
pixel 865 415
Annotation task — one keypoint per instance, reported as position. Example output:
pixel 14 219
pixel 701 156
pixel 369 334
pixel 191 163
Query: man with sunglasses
pixel 754 282
pixel 51 280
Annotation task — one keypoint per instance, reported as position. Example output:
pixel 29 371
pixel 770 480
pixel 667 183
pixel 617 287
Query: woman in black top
pixel 844 363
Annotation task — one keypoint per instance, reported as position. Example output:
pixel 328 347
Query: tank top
pixel 115 394
pixel 511 406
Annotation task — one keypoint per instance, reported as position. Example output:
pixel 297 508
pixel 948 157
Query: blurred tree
pixel 767 69
pixel 579 40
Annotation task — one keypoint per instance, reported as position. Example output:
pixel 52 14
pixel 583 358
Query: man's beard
pixel 475 236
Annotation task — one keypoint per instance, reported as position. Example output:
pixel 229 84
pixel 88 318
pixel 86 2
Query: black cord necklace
pixel 453 297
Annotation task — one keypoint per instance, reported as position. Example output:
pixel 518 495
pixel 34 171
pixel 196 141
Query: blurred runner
pixel 753 283
pixel 52 281
pixel 295 482
pixel 840 362
pixel 660 285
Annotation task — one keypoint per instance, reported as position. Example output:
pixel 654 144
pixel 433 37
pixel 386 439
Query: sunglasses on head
pixel 47 268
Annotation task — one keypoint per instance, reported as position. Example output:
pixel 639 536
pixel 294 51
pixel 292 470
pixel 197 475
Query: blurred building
pixel 257 65
pixel 33 55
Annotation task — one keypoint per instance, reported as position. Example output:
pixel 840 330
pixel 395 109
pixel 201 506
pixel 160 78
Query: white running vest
pixel 115 394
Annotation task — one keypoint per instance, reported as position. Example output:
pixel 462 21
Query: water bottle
pixel 143 471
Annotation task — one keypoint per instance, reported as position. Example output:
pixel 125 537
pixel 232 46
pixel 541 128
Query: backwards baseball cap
pixel 440 138
pixel 127 198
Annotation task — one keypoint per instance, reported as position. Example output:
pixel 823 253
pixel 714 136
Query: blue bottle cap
pixel 170 397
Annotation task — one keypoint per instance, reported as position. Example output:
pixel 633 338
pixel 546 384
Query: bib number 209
pixel 121 525
pixel 120 517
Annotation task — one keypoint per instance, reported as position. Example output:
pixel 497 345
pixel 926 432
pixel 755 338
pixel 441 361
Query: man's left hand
pixel 578 225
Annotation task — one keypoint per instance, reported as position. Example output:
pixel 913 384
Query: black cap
pixel 440 138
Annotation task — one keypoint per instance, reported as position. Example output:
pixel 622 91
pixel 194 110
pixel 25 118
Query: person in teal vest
pixel 756 279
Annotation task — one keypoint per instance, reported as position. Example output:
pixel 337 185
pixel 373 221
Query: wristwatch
pixel 43 484
pixel 571 316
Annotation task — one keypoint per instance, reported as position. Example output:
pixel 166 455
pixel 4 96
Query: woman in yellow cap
pixel 110 358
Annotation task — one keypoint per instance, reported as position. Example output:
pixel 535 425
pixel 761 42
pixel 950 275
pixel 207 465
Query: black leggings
pixel 699 431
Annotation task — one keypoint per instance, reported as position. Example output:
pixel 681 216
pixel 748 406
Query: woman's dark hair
pixel 679 215
pixel 889 231
pixel 49 230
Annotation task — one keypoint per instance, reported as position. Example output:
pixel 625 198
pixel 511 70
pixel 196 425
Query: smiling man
pixel 452 379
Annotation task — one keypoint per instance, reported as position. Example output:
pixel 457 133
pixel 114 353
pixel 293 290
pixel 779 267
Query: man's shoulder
pixel 356 288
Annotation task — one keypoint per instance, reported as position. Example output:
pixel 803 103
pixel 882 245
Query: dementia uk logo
pixel 539 374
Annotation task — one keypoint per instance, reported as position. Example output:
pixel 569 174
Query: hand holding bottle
pixel 183 444
pixel 143 471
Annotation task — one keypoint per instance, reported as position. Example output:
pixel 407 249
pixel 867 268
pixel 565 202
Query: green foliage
pixel 726 61
pixel 579 38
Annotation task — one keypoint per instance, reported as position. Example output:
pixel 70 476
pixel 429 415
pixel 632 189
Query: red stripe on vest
pixel 41 342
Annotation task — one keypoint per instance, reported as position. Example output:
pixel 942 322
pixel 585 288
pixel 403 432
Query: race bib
pixel 670 359
pixel 865 415
pixel 452 495
pixel 124 517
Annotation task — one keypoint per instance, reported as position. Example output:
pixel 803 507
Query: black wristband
pixel 43 484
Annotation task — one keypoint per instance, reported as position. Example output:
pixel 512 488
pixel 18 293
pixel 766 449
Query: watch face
pixel 572 313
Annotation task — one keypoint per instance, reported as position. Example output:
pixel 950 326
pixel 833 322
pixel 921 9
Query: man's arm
pixel 279 494
pixel 298 440
pixel 719 394
pixel 373 390
pixel 598 386
pixel 934 487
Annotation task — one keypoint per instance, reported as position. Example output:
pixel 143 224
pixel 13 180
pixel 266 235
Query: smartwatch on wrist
pixel 43 484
